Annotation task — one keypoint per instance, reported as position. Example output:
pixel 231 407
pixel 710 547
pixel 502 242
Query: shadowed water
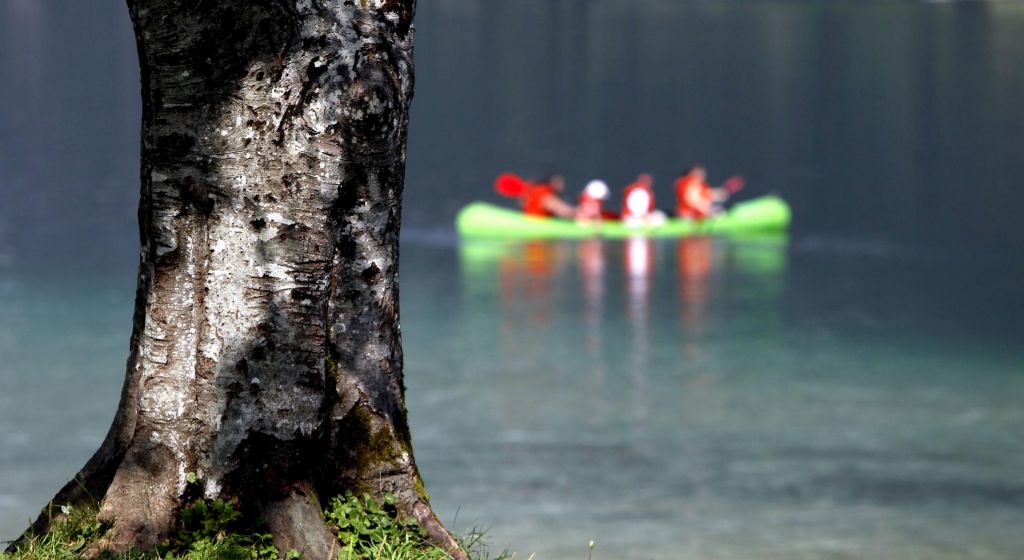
pixel 851 392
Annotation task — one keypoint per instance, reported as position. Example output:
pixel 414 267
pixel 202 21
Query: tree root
pixel 436 531
pixel 297 524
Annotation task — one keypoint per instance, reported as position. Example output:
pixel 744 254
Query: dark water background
pixel 853 392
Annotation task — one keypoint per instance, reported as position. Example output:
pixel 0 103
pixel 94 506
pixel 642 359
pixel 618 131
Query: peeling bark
pixel 266 352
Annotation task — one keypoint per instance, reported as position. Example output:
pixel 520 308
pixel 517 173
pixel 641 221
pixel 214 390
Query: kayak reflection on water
pixel 693 265
pixel 633 300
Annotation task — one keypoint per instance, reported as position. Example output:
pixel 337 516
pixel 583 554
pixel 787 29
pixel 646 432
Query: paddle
pixel 734 184
pixel 510 185
pixel 731 186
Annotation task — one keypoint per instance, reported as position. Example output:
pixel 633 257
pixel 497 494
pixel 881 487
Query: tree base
pixel 291 527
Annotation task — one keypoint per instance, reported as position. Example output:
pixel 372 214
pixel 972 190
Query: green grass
pixel 215 530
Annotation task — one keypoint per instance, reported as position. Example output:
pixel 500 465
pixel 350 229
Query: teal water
pixel 700 398
pixel 714 399
pixel 853 392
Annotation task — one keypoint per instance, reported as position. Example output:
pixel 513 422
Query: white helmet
pixel 596 189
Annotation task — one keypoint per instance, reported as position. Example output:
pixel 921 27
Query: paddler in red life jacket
pixel 541 199
pixel 638 203
pixel 588 206
pixel 695 198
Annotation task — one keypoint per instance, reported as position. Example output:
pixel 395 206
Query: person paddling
pixel 696 199
pixel 542 199
pixel 588 206
pixel 638 203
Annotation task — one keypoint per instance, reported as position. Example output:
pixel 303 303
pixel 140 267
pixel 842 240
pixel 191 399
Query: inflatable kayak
pixel 767 214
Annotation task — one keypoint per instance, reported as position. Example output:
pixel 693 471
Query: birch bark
pixel 266 351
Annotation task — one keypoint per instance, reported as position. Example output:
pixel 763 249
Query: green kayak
pixel 767 214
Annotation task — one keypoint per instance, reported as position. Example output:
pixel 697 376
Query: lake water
pixel 853 391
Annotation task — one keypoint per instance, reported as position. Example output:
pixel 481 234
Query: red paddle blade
pixel 734 184
pixel 510 184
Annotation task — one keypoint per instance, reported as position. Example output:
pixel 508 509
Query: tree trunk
pixel 266 354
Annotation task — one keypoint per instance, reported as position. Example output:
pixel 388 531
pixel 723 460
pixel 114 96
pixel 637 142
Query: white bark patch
pixel 213 488
pixel 182 473
pixel 162 400
pixel 314 116
pixel 280 219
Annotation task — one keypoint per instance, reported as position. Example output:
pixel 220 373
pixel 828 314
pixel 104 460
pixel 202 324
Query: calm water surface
pixel 675 399
pixel 851 392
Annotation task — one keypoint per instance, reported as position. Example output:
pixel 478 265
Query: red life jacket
pixel 535 200
pixel 694 199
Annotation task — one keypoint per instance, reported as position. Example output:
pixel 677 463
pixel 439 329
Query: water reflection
pixel 693 271
pixel 526 279
pixel 693 266
pixel 529 276
pixel 626 308
pixel 590 258
pixel 638 264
